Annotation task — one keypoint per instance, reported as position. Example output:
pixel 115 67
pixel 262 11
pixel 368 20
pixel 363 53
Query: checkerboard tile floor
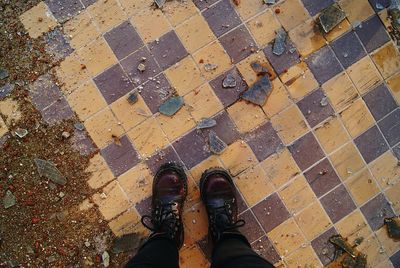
pixel 304 171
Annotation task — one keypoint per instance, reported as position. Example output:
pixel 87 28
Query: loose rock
pixel 229 81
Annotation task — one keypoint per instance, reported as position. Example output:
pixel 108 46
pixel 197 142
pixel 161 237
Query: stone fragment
pixel 128 242
pixel 141 67
pixel 171 106
pixel 21 132
pixel 280 42
pixel 393 227
pixel 106 259
pixel 3 74
pixel 217 146
pixel 6 90
pixel 9 199
pixel 159 3
pixel 79 126
pixel 210 67
pixel 259 92
pixel 48 170
pixel 65 135
pixel 206 123
pixel 324 102
pixel 229 81
pixel 330 17
pixel 133 97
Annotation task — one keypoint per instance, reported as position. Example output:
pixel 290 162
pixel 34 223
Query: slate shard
pixel 48 170
pixel 210 67
pixel 269 2
pixel 171 106
pixel 393 227
pixel 133 97
pixel 280 42
pixel 229 81
pixel 6 90
pixel 126 243
pixel 79 126
pixel 206 123
pixel 342 244
pixel 330 17
pixel 217 146
pixel 3 74
pixel 259 92
pixel 9 199
pixel 21 132
pixel 160 3
pixel 258 68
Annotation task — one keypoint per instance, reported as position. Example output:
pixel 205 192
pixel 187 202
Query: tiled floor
pixel 319 158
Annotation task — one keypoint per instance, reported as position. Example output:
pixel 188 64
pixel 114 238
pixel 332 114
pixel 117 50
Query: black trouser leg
pixel 157 252
pixel 234 251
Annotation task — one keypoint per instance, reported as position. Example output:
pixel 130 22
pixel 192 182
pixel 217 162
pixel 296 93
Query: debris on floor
pixel 280 42
pixel 346 255
pixel 3 74
pixel 106 259
pixel 206 123
pixel 259 92
pixel 48 170
pixel 342 244
pixel 229 81
pixel 171 106
pixel 393 227
pixel 210 67
pixel 21 132
pixel 258 68
pixel 269 2
pixel 133 97
pixel 394 16
pixel 330 17
pixel 160 3
pixel 9 199
pixel 217 146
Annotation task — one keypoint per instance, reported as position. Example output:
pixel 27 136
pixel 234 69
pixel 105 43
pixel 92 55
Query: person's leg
pixel 169 193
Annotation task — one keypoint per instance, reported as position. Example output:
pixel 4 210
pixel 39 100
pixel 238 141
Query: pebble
pixel 87 244
pixel 66 135
pixel 106 259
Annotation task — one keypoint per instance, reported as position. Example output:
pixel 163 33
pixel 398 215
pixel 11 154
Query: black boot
pixel 169 194
pixel 218 195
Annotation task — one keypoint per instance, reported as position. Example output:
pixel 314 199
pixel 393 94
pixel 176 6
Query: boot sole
pixel 213 171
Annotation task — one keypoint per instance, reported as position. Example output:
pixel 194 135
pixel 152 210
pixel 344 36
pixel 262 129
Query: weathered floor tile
pixel 324 249
pixel 348 49
pixel 322 178
pixel 238 43
pixel 371 144
pixel 380 102
pixel 376 210
pixel 338 203
pixel 390 127
pixel 372 33
pixel 306 151
pixel 221 24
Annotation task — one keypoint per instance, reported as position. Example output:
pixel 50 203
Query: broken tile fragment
pixel 210 67
pixel 3 74
pixel 21 132
pixel 258 68
pixel 48 170
pixel 133 97
pixel 160 3
pixel 269 2
pixel 141 67
pixel 6 90
pixel 206 123
pixel 9 199
pixel 229 81
pixel 280 42
pixel 330 17
pixel 393 227
pixel 217 146
pixel 259 92
pixel 171 106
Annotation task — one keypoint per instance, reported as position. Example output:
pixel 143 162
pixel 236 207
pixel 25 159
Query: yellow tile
pixel 128 223
pixel 238 157
pixel 263 27
pixel 246 116
pixel 248 74
pixel 253 184
pixel 287 237
pixel 102 127
pixel 307 37
pixel 147 137
pixel 71 73
pixel 211 162
pixel 386 170
pixel 212 54
pixel 132 7
pixel 137 183
pixel 347 161
pixel 81 30
pixel 356 10
pixel 332 135
pixel 3 127
pixel 339 30
pixel 280 167
pixel 362 186
pixel 10 109
pixel 86 100
pixel 202 102
pixel 303 257
pixel 184 76
pixel 151 24
pixel 387 59
pixel 195 33
pixel 292 13
pixel 372 248
pixel 389 245
pixel 179 11
pixel 195 222
pixel 107 14
pixel 97 56
pixel 192 257
pixel 299 80
pixel 357 118
pixel 353 226
pixel 290 124
pixel 394 85
pixel 100 173
pixel 177 125
pixel 364 75
pixel 130 115
pixel 111 201
pixel 393 195
pixel 313 220
pixel 38 20
pixel 278 100
pixel 297 194
pixel 249 8
pixel 340 91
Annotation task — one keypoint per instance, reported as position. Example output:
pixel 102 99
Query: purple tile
pixel 225 128
pixel 264 141
pixel 57 45
pixel 58 111
pixel 380 102
pixel 324 249
pixel 44 92
pixel 238 43
pixel 192 148
pixel 322 178
pixel 265 249
pixel 113 83
pixel 348 49
pixel 372 33
pixel 306 151
pixel 166 155
pixel 221 17
pixel 252 229
pixel 371 144
pixel 168 50
pixel 123 40
pixel 87 3
pixel 315 6
pixel 64 9
pixel 271 212
pixel 229 95
pixel 390 126
pixel 315 107
pixel 323 64
pixel 82 143
pixel 376 210
pixel 283 62
pixel 156 91
pixel 203 4
pixel 120 157
pixel 144 206
pixel 130 65
pixel 395 259
pixel 383 3
pixel 338 204
pixel 396 151
pixel 6 90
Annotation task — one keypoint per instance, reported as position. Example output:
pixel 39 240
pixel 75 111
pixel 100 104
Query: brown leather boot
pixel 219 196
pixel 169 194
